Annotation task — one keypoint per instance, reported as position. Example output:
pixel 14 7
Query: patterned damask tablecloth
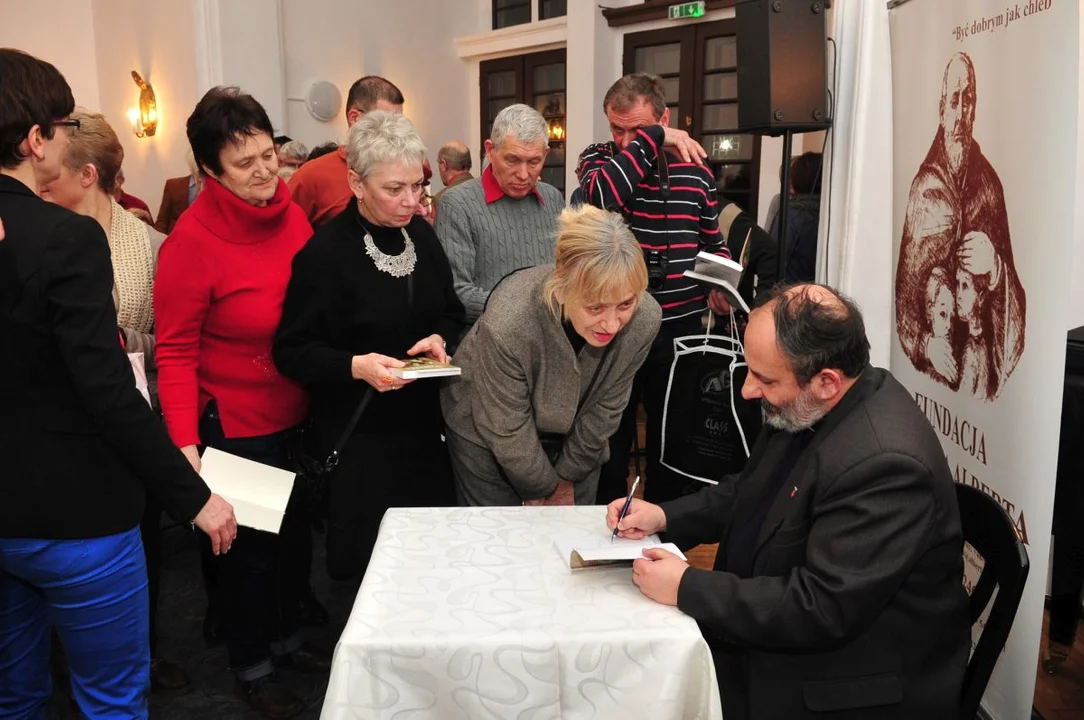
pixel 469 613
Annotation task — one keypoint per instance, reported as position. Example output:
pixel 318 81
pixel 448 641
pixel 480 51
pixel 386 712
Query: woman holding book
pixel 548 369
pixel 373 286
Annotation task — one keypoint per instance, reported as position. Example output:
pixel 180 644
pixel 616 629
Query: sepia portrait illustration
pixel 960 306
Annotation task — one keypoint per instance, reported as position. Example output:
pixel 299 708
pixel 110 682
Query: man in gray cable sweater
pixel 506 219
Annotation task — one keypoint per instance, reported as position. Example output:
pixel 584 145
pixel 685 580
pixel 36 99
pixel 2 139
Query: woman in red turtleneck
pixel 220 284
pixel 221 279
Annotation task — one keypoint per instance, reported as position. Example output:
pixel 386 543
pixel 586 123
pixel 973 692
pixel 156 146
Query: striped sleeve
pixel 609 180
pixel 711 238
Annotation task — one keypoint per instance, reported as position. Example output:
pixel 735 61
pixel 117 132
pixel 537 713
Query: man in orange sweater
pixel 319 186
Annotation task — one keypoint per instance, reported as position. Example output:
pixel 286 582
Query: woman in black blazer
pixel 79 443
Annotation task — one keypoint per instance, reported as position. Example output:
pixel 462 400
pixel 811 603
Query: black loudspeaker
pixel 781 66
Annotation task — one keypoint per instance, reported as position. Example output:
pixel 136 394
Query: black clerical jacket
pixel 855 607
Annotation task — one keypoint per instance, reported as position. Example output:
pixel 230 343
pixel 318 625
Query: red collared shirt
pixel 493 191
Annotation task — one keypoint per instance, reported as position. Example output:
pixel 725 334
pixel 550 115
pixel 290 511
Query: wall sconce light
pixel 145 119
pixel 556 130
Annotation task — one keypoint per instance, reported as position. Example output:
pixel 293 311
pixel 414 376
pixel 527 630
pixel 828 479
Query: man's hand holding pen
pixel 659 573
pixel 642 519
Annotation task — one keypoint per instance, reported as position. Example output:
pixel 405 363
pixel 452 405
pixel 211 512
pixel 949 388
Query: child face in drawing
pixel 941 310
pixel 966 294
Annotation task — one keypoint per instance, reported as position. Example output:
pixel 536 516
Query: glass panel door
pixel 501 85
pixel 733 156
pixel 698 66
pixel 546 76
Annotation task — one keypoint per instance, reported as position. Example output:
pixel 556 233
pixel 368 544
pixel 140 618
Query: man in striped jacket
pixel 654 175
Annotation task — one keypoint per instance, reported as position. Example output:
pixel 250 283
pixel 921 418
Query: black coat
pixel 856 607
pixel 338 305
pixel 78 441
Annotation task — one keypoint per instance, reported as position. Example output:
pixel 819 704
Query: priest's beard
pixel 801 413
pixel 956 149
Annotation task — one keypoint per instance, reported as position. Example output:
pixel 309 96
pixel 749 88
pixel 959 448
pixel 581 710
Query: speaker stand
pixel 783 256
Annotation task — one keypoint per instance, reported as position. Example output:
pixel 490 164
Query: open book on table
pixel 600 552
pixel 716 272
pixel 423 367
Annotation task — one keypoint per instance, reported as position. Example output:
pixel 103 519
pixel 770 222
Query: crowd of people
pixel 275 296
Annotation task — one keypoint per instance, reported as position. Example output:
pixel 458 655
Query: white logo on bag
pixel 717 382
pixel 716 427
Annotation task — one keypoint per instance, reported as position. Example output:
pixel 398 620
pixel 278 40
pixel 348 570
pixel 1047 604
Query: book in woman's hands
pixel 423 367
pixel 719 273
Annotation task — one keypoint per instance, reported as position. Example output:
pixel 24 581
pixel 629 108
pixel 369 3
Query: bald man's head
pixel 816 327
pixel 453 159
pixel 805 347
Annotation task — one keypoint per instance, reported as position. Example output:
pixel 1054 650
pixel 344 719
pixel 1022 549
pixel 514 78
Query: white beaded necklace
pixel 399 265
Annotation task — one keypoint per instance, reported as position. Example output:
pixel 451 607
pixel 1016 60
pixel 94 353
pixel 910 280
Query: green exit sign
pixel 687 10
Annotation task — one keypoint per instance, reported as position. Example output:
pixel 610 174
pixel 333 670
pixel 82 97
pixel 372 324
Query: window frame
pixel 535 7
pixel 524 67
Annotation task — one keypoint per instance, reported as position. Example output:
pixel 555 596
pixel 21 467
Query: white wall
pixel 249 52
pixel 410 42
pixel 156 38
pixel 96 44
pixel 593 44
pixel 59 34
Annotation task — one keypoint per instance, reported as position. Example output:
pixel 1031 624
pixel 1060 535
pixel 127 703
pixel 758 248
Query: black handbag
pixel 554 443
pixel 314 475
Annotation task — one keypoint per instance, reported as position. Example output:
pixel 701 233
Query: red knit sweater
pixel 222 275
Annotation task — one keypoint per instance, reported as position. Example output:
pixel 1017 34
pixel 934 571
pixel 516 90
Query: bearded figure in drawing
pixel 960 307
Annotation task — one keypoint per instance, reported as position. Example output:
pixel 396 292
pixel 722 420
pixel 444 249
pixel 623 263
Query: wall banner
pixel 985 96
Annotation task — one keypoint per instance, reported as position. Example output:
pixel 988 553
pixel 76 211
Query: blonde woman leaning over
pixel 548 369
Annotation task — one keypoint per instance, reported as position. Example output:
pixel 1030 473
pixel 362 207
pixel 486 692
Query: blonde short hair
pixel 597 260
pixel 95 143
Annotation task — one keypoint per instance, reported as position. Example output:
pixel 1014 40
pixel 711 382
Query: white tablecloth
pixel 469 613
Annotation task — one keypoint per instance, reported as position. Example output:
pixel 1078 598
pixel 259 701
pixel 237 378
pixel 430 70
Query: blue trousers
pixel 94 591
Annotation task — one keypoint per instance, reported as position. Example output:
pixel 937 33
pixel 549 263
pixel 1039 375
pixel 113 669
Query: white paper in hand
pixel 258 492
pixel 601 552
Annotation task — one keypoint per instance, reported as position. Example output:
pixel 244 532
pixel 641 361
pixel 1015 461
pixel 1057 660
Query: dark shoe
pixel 313 613
pixel 1055 656
pixel 268 698
pixel 168 678
pixel 306 659
pixel 212 628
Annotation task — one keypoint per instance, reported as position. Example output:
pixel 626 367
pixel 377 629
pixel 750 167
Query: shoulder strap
pixel 333 459
pixel 486 305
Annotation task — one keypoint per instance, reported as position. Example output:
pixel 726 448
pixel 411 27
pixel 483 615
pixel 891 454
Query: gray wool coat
pixel 521 377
